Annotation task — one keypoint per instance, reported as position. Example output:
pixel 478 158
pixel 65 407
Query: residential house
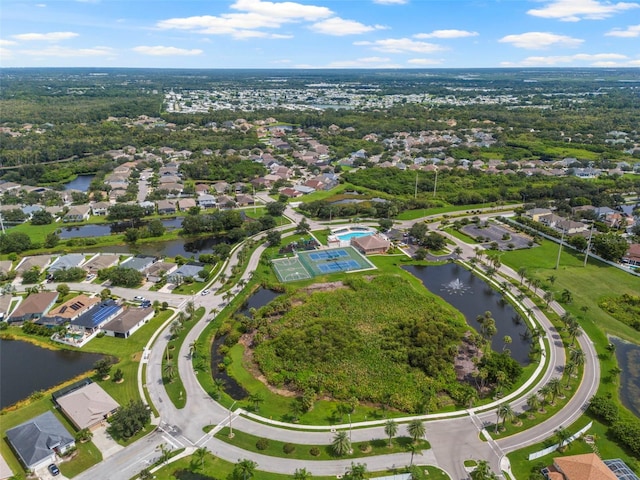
pixel 221 187
pixel 226 202
pixel 587 466
pixel 69 310
pixel 186 203
pixel 166 207
pixel 100 208
pixel 535 213
pixel 569 227
pixel 168 179
pixel 191 269
pixel 632 257
pixel 125 324
pixel 371 244
pixel 77 213
pixel 33 307
pixel 159 270
pixel 66 262
pixel 290 192
pixel 172 189
pixel 140 262
pixel 94 318
pixel 244 200
pixel 37 441
pixel 100 262
pixel 202 188
pixel 88 406
pixel 303 189
pixel 206 201
pixel 30 263
pixel 5 266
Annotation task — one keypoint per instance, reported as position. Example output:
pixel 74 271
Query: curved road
pixel 453 439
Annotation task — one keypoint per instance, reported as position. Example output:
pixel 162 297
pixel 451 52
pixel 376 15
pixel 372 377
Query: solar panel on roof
pixel 63 309
pixel 74 306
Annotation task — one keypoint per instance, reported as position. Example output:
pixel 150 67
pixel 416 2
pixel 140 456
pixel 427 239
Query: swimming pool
pixel 348 236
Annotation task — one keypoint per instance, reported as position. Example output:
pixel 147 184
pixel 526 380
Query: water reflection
pixel 628 356
pixel 473 296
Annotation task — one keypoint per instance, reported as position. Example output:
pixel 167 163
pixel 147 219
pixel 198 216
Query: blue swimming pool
pixel 350 235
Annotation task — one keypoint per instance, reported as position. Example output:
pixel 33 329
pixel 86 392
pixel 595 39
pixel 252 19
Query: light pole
pixel 560 249
pixel 230 427
pixel 350 425
pixel 586 255
pixel 435 183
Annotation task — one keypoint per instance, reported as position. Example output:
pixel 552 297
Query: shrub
pixel 288 448
pixel 604 408
pixel 315 451
pixel 262 444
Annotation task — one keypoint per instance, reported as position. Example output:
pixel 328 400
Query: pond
pixel 105 229
pixel 628 355
pixel 26 368
pixel 81 183
pixel 473 296
pixel 260 298
pixel 181 246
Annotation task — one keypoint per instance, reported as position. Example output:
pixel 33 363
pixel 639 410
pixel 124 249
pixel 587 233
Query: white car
pixel 139 298
pixel 205 292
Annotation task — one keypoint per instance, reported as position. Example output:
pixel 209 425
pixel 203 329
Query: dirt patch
pixel 323 287
pixel 136 357
pixel 464 365
pixel 247 361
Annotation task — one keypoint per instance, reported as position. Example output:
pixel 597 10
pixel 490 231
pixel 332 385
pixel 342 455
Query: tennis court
pixel 307 265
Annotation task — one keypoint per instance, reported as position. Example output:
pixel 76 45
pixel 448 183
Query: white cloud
pixel 559 60
pixel 58 51
pixel 541 40
pixel 254 15
pixel 391 2
pixel 6 43
pixel 5 53
pixel 452 33
pixel 366 62
pixel 424 61
pixel 631 31
pixel 41 5
pixel 576 10
pixel 162 51
pixel 401 45
pixel 49 37
pixel 338 27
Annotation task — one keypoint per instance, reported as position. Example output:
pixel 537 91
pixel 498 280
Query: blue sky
pixel 319 33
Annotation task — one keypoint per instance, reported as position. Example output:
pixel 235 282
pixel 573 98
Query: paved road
pixel 453 439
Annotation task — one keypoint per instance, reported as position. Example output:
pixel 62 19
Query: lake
pixel 81 183
pixel 26 368
pixel 171 248
pixel 473 296
pixel 105 229
pixel 628 356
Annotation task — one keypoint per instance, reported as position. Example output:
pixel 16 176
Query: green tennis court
pixel 311 264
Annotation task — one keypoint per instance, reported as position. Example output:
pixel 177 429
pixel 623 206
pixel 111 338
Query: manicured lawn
pixel 360 449
pixel 461 236
pixel 87 456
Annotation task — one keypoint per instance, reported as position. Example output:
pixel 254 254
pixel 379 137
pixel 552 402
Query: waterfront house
pixel 69 310
pixel 94 318
pixel 100 262
pixel 37 441
pixel 130 320
pixel 88 406
pixel 66 262
pixel 33 307
pixel 139 262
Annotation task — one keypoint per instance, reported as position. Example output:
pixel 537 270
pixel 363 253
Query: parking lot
pixel 495 233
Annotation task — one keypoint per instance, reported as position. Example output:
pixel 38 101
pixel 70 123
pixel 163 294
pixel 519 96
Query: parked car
pixel 205 292
pixel 139 298
pixel 53 469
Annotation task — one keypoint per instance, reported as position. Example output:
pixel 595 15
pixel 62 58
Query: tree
pixel 302 474
pixel 41 217
pixel 84 435
pixel 358 471
pixel 562 435
pixel 545 393
pixel 548 297
pixel 129 419
pixel 169 371
pixel 522 273
pixel 31 276
pixel 341 445
pixel 244 469
pixel 275 209
pixel 105 294
pixel 63 289
pixel 533 402
pixel 200 454
pixel 102 368
pixel 610 246
pixel 506 340
pixel 505 412
pixel 145 474
pixel 274 237
pixel 390 429
pixel 412 448
pixel 193 348
pixel 51 240
pixel 256 399
pixel 556 388
pixel 122 276
pixel 483 472
pixel 577 356
pixel 14 242
pixel 118 375
pixel 416 430
pixel 566 296
pixel 303 226
pixel 156 228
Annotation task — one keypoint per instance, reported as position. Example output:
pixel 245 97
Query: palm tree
pixel 504 412
pixel 391 429
pixel 200 453
pixel 556 388
pixel 357 471
pixel 176 326
pixel 577 356
pixel 533 402
pixel 301 474
pixel 457 251
pixel 182 317
pixel 566 296
pixel 507 340
pixel 545 392
pixel 569 369
pixel 552 279
pixel 574 331
pixel 548 297
pixel 169 371
pixel 412 448
pixel 611 348
pixel 341 444
pixel 522 273
pixel 562 435
pixel 416 430
pixel 193 348
pixel 256 399
pixel 244 469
